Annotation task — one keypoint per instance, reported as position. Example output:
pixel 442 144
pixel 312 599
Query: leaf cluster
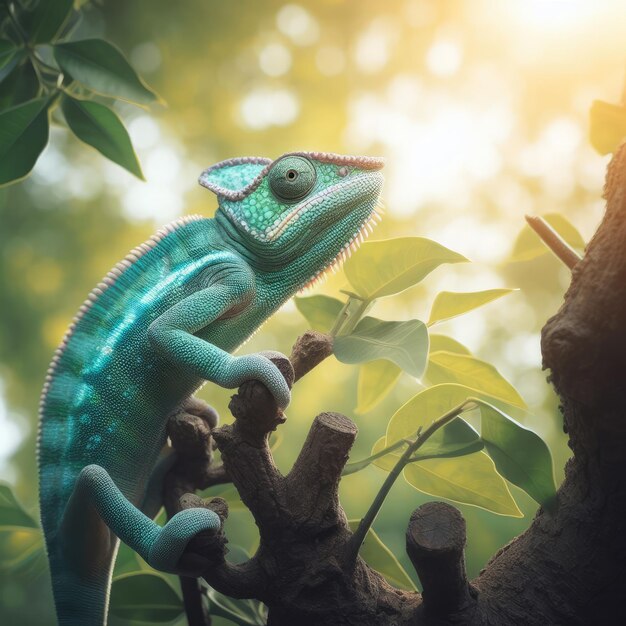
pixel 46 78
pixel 456 461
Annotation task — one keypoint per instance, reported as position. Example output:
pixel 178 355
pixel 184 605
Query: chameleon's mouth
pixel 361 234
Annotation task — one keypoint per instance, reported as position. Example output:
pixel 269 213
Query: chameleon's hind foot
pixel 171 543
pixel 160 546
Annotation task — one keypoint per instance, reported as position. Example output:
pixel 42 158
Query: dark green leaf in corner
pixel 319 311
pixel 19 85
pixel 607 126
pixel 45 21
pixel 24 133
pixel 144 597
pixel 99 126
pixel 241 612
pixel 11 512
pixel 21 541
pixel 404 343
pixel 7 50
pixel 378 556
pixel 104 69
pixel 520 455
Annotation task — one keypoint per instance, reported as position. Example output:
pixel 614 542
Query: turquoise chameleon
pixel 163 321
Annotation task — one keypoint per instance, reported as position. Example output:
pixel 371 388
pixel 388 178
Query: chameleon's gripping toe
pixel 259 367
pixel 160 546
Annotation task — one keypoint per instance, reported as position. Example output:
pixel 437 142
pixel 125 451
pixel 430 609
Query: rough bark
pixel 569 567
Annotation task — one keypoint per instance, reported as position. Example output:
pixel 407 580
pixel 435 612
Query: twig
pixel 422 436
pixel 554 241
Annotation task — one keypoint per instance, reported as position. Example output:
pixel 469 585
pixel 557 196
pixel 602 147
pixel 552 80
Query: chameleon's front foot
pixel 259 367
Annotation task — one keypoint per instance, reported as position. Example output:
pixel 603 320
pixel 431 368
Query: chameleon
pixel 162 322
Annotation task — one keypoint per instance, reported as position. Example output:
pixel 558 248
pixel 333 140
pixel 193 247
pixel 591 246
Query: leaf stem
pixel 341 318
pixel 554 241
pixel 356 466
pixel 421 437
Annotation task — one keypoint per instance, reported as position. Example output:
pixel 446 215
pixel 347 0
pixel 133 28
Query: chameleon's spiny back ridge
pixel 110 279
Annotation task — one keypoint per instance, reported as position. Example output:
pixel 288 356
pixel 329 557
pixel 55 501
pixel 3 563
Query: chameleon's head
pixel 305 209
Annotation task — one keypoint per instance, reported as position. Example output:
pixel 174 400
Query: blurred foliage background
pixel 481 109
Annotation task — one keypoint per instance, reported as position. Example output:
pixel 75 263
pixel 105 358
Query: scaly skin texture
pixel 163 321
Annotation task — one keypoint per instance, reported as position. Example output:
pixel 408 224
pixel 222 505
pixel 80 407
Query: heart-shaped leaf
pixel 404 343
pixel 382 268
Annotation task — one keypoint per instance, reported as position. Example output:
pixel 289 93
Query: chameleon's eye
pixel 292 177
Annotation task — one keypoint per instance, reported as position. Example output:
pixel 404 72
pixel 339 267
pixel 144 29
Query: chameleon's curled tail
pixel 81 563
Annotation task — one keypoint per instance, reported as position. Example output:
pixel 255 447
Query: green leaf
pixel 99 126
pixel 607 126
pixel 387 461
pixel 22 551
pixel 424 408
pixel 19 85
pixel 144 597
pixel 102 67
pixel 376 380
pixel 404 343
pixel 11 512
pixel 23 136
pixel 382 268
pixel 45 21
pixel 448 367
pixel 319 311
pixel 127 561
pixel 241 612
pixel 378 556
pixel 21 541
pixel 443 342
pixel 470 479
pixel 7 51
pixel 456 438
pixel 528 245
pixel 449 304
pixel 520 455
